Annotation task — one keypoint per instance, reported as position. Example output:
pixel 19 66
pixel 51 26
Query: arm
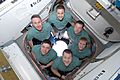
pixel 72 74
pixel 73 24
pixel 45 66
pixel 33 56
pixel 30 43
pixel 53 32
pixel 49 64
pixel 73 19
pixel 34 59
pixel 55 71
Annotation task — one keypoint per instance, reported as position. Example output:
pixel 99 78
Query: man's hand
pixel 63 77
pixel 43 66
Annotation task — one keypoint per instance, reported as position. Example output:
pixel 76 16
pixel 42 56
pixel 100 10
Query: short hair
pixel 46 41
pixel 80 22
pixel 60 6
pixel 84 39
pixel 68 51
pixel 35 16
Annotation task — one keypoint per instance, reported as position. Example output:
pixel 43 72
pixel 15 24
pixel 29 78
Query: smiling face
pixel 78 28
pixel 60 14
pixel 82 44
pixel 67 58
pixel 37 23
pixel 45 47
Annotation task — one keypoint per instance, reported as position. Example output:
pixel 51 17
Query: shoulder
pixel 32 29
pixel 84 31
pixel 87 49
pixel 68 14
pixel 52 15
pixel 35 47
pixel 30 33
pixel 71 28
pixel 53 52
pixel 58 60
pixel 73 45
pixel 46 24
pixel 76 60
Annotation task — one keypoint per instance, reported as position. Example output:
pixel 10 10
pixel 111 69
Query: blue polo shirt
pixel 117 3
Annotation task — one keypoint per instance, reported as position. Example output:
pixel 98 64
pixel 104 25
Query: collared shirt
pixel 80 54
pixel 60 66
pixel 75 38
pixel 60 24
pixel 44 59
pixel 40 35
